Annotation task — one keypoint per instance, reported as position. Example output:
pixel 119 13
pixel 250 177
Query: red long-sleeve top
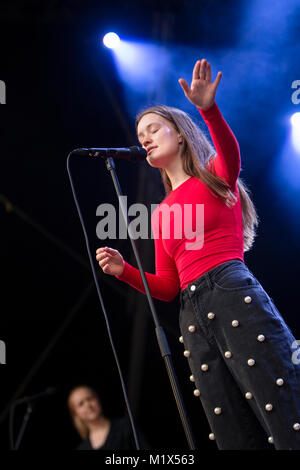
pixel 217 228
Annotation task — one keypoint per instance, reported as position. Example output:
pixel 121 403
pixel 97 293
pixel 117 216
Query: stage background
pixel 64 90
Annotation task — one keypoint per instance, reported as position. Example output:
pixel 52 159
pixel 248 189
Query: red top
pixel 179 258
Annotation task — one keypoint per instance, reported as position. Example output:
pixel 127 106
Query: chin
pixel 154 163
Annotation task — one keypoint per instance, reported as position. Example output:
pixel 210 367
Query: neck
pixel 177 177
pixel 175 171
pixel 97 424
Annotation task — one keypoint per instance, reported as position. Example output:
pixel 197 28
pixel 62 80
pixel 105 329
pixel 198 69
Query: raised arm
pixel 227 162
pixel 201 93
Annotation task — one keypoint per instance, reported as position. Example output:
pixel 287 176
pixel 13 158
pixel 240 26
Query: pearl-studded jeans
pixel 239 351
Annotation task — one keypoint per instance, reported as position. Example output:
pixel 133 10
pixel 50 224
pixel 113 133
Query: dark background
pixel 64 92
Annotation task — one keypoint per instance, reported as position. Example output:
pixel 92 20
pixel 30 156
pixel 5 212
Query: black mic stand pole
pixel 24 424
pixel 161 337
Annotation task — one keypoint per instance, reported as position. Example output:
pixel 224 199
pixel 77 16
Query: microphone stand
pixel 160 334
pixel 30 404
pixel 24 424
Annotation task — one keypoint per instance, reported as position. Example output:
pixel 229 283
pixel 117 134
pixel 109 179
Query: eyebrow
pixel 147 127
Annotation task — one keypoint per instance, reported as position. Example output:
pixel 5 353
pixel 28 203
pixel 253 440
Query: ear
pixel 180 138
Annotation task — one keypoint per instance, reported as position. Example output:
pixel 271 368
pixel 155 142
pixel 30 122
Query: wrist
pixel 202 108
pixel 123 267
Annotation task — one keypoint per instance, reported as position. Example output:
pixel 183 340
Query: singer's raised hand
pixel 202 91
pixel 110 261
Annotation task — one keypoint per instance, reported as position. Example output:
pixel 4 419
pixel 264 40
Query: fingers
pixel 184 86
pixel 196 70
pixel 103 255
pixel 208 72
pixel 202 71
pixel 106 249
pixel 218 79
pixel 104 262
pixel 103 258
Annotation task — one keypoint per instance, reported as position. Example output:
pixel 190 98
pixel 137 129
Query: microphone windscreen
pixel 137 154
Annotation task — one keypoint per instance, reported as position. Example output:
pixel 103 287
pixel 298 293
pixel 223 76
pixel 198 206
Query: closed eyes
pixel 151 129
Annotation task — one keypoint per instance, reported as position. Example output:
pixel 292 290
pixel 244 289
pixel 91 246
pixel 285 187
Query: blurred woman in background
pixel 96 430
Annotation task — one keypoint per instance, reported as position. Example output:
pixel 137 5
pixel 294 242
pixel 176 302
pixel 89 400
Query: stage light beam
pixel 295 121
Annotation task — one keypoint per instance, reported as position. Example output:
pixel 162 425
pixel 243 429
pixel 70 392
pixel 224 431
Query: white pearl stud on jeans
pixel 261 338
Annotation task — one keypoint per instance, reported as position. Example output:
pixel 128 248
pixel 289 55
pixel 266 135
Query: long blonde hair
pixel 196 155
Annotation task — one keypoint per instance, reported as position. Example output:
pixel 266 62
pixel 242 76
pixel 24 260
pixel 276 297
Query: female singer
pixel 235 340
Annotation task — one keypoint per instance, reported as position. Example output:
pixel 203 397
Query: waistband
pixel 205 282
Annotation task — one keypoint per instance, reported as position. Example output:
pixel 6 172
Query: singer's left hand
pixel 202 91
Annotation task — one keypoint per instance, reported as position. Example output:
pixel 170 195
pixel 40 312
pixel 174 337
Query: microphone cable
pixel 102 305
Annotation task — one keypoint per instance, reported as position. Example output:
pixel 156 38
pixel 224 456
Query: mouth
pixel 150 150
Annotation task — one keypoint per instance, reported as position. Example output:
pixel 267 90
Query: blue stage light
pixel 295 120
pixel 111 40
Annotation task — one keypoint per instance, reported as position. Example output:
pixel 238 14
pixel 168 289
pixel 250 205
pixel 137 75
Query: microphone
pixel 133 154
pixel 37 396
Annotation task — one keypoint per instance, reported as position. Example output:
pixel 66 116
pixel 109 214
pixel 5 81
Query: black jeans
pixel 239 351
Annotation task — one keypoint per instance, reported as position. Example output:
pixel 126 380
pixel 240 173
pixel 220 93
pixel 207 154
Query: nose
pixel 146 141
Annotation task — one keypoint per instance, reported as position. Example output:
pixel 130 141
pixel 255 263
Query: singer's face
pixel 86 404
pixel 158 136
